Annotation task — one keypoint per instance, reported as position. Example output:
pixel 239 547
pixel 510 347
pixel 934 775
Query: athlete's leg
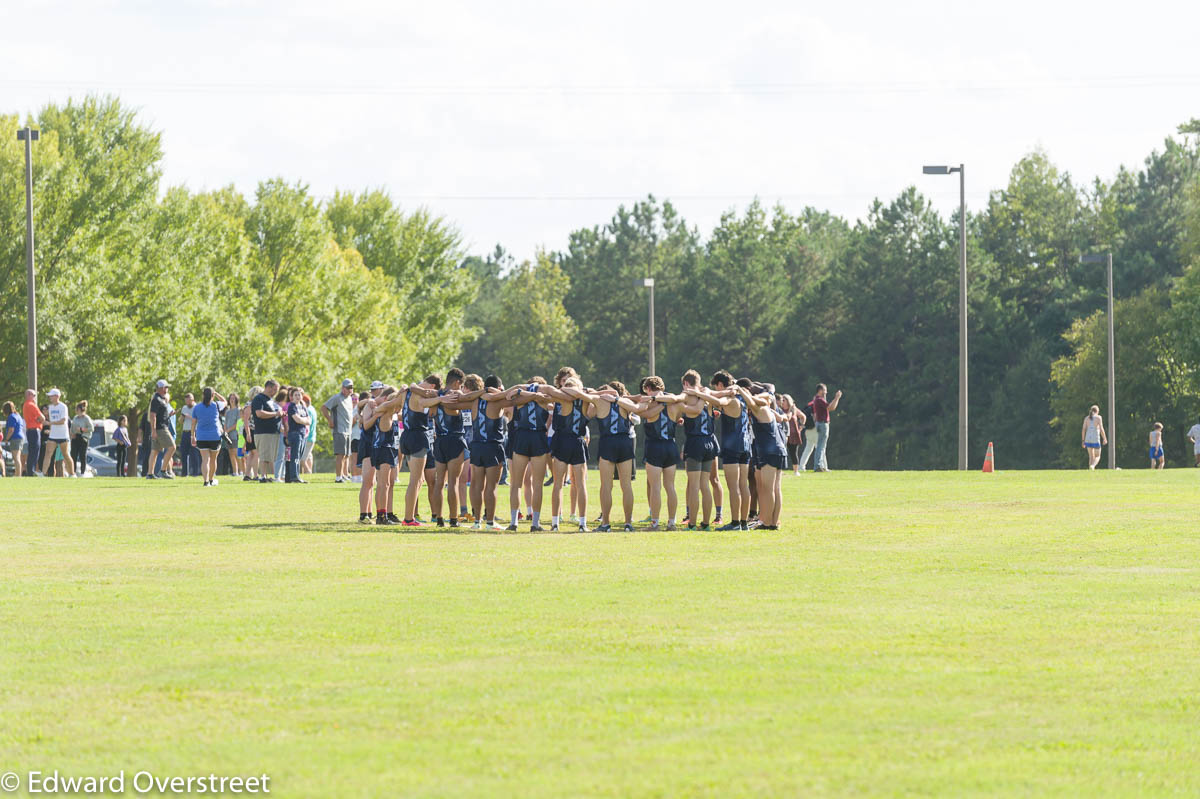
pixel 625 473
pixel 416 475
pixel 735 493
pixel 606 485
pixel 765 478
pixel 364 490
pixel 694 478
pixel 453 472
pixel 491 478
pixel 435 497
pixel 435 486
pixel 579 489
pixel 668 477
pixel 517 478
pixel 743 471
pixel 706 499
pixel 536 478
pixel 654 490
pixel 558 469
pixel 752 483
pixel 778 497
pixel 383 481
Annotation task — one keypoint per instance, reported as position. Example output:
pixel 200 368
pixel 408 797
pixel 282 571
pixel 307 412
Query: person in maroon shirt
pixel 821 409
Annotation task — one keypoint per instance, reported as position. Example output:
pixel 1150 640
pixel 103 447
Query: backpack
pixel 810 416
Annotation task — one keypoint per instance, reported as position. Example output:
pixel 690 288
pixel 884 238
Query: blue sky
pixel 521 121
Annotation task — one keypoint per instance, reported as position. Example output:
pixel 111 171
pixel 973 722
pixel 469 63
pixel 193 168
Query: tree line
pixel 137 281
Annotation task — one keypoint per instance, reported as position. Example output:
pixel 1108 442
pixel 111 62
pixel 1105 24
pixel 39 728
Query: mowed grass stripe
pixel 905 633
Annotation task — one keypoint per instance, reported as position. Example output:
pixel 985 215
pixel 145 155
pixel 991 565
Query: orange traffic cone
pixel 989 462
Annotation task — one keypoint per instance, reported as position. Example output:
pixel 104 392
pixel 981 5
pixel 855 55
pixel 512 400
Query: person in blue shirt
pixel 206 432
pixel 14 436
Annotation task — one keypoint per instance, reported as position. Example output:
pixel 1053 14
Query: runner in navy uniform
pixel 567 449
pixel 736 439
pixel 660 411
pixel 612 407
pixel 530 452
pixel 487 449
pixel 383 454
pixel 450 443
pixel 699 452
pixel 416 442
pixel 366 445
pixel 771 439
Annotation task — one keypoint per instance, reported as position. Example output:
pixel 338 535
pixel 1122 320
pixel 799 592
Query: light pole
pixel 962 304
pixel 1106 259
pixel 29 136
pixel 648 282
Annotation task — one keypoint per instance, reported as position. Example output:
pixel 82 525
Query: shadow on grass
pixel 315 527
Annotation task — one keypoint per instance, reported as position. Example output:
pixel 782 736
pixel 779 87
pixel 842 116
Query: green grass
pixel 906 633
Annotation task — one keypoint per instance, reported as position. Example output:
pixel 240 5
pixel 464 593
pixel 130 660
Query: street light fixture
pixel 1106 259
pixel 962 304
pixel 648 282
pixel 29 136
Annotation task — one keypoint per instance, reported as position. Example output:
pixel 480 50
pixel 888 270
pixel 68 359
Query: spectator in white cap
pixel 59 417
pixel 160 431
pixel 338 411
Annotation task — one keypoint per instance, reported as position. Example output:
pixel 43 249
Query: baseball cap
pixel 347 383
pixel 377 384
pixel 162 384
pixel 54 392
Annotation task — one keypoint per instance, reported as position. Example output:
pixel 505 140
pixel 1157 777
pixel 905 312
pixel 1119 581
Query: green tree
pixel 533 334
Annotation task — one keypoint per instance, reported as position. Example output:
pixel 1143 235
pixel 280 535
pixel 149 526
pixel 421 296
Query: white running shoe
pixel 214 482
pixel 476 526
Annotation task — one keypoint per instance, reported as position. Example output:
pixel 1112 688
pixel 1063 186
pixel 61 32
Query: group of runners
pixel 539 426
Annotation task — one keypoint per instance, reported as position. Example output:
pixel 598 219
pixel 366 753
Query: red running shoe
pixel 410 523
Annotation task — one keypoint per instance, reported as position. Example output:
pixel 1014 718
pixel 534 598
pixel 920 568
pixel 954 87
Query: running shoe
pixel 497 526
pixel 364 518
pixel 396 519
pixel 604 528
pixel 441 522
pixel 247 478
pixel 476 526
pixel 213 482
pixel 537 528
pixel 731 526
pixel 583 528
pixel 409 523
pixel 554 528
pixel 628 527
pixel 512 528
pixel 744 526
pixel 670 526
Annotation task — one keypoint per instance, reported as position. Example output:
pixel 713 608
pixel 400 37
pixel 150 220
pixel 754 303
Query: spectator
pixel 310 441
pixel 297 421
pixel 189 458
pixel 1157 459
pixel 206 432
pixel 1194 436
pixel 229 439
pixel 266 414
pixel 34 419
pixel 49 454
pixel 122 442
pixel 821 409
pixel 14 436
pixel 58 413
pixel 338 411
pixel 795 429
pixel 82 427
pixel 249 447
pixel 281 399
pixel 356 437
pixel 163 441
pixel 1093 436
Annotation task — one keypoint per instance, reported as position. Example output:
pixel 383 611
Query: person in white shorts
pixel 1194 437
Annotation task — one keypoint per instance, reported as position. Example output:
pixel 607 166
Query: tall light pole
pixel 29 136
pixel 1106 259
pixel 962 304
pixel 648 282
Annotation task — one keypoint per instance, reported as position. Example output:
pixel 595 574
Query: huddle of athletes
pixel 539 426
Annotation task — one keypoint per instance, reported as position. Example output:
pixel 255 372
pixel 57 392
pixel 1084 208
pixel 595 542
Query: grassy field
pixel 1032 633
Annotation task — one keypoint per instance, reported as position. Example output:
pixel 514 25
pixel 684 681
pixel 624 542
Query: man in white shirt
pixel 189 456
pixel 59 417
pixel 1194 437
